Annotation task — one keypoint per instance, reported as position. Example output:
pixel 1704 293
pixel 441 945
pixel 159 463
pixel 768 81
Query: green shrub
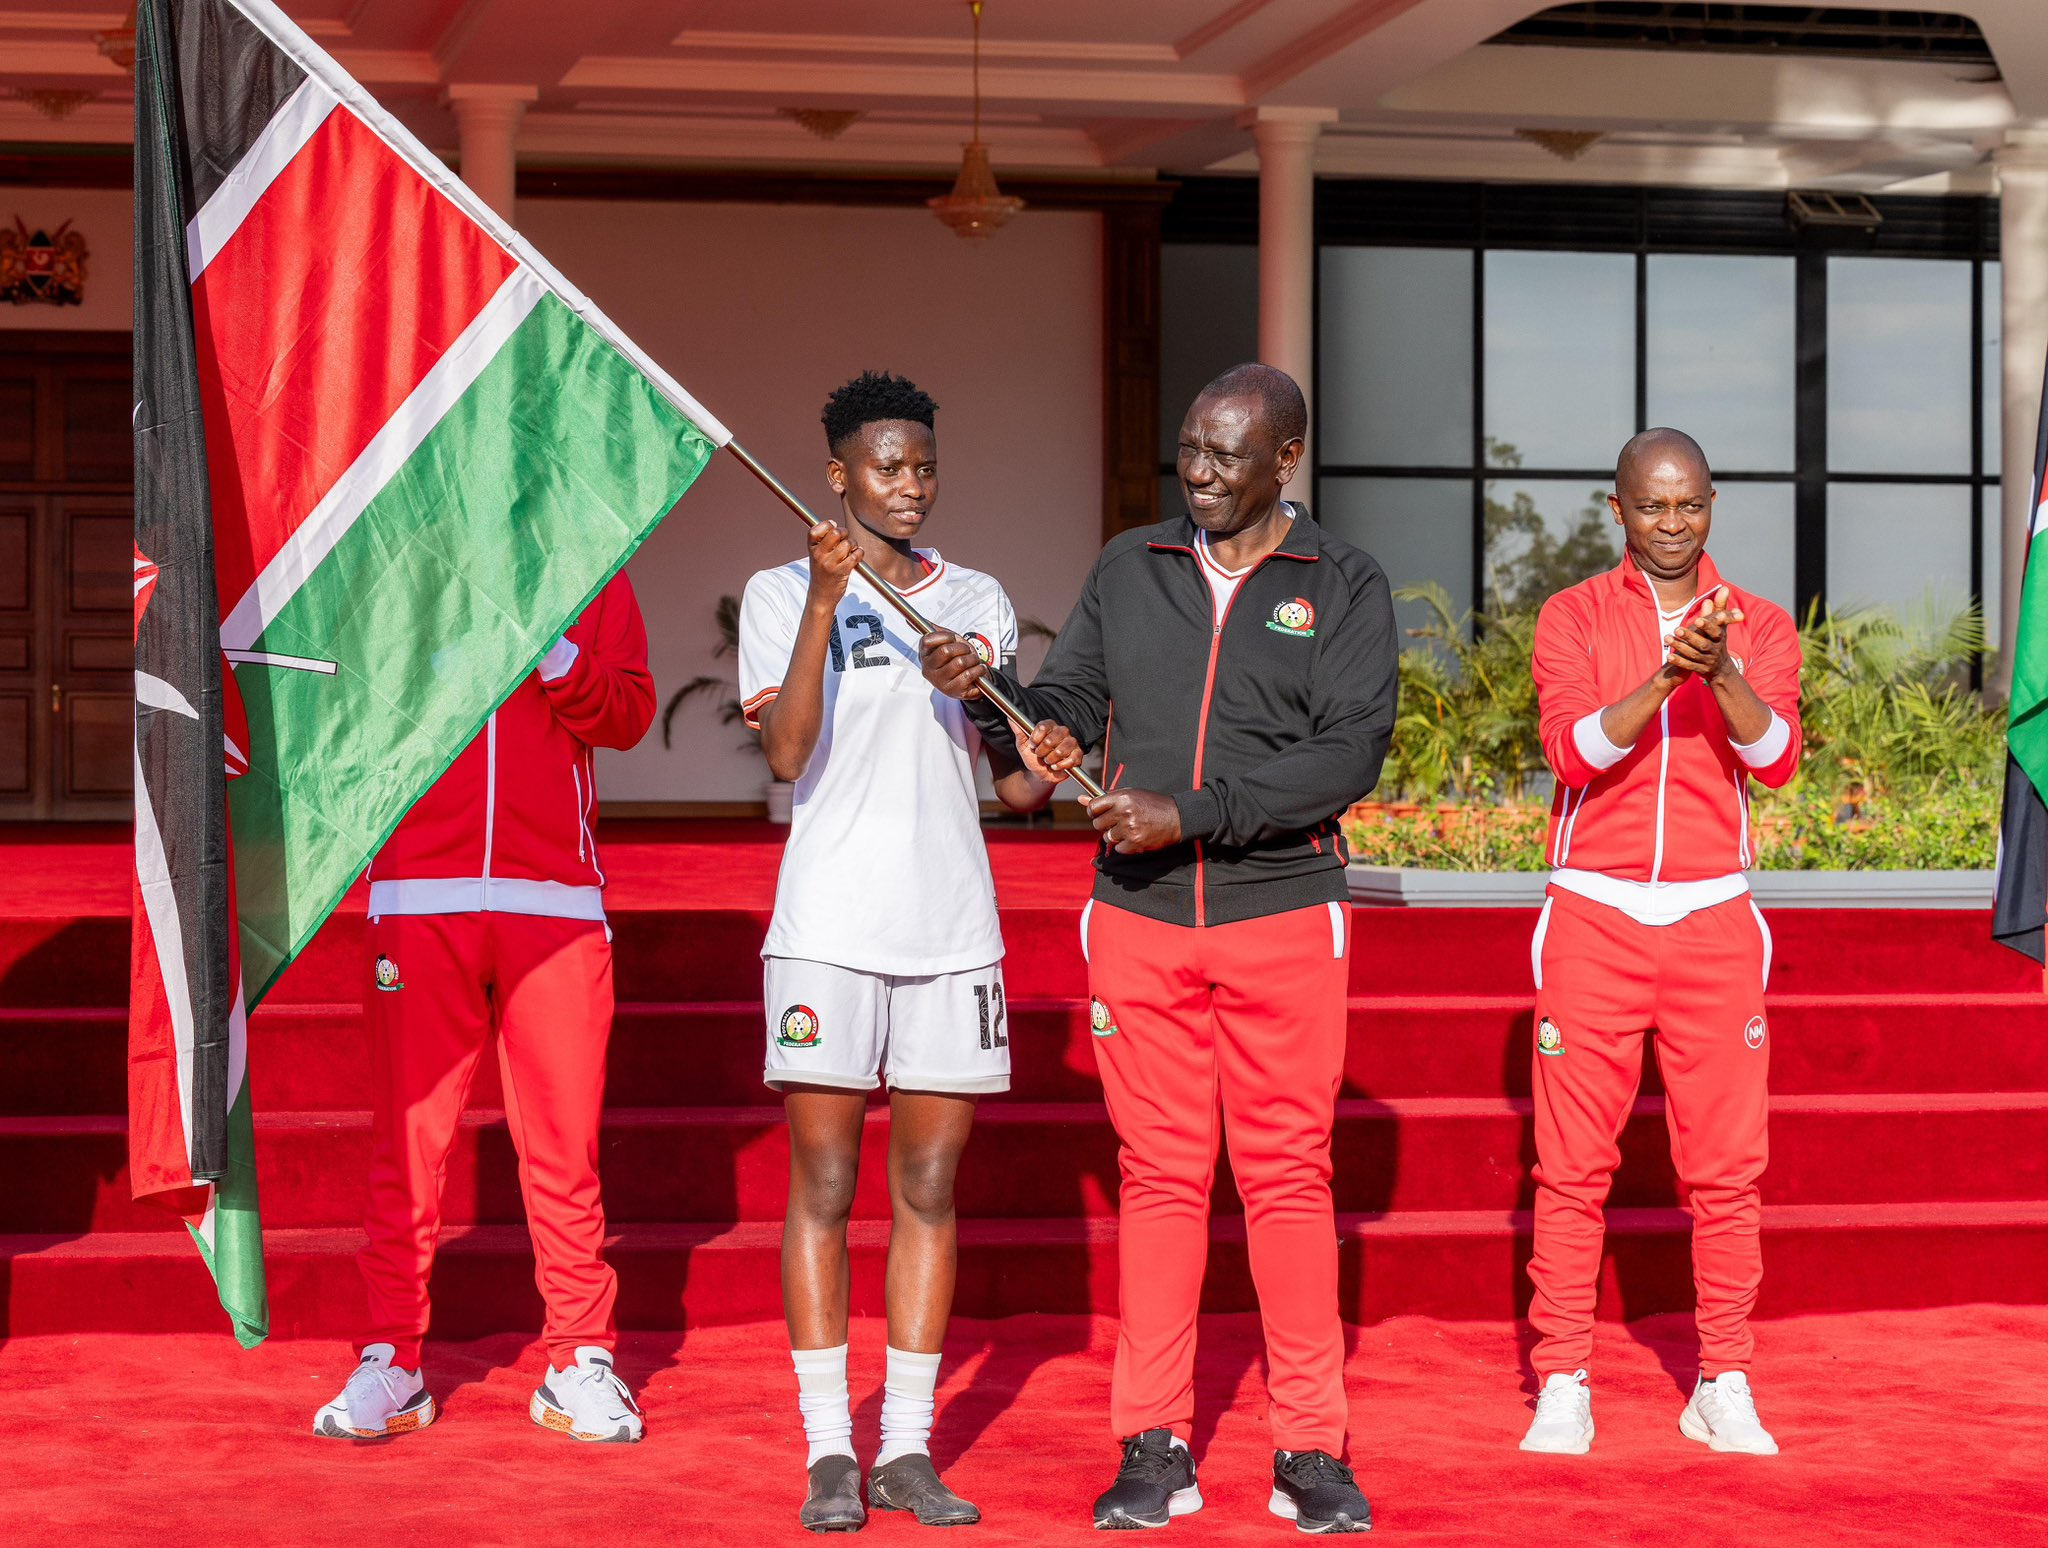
pixel 1902 770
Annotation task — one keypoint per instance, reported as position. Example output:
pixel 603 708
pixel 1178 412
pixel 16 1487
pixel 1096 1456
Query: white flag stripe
pixel 389 450
pixel 160 904
pixel 318 65
pixel 271 658
pixel 290 127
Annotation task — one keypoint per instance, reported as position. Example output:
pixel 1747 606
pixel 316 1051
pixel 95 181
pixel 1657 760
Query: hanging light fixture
pixel 976 207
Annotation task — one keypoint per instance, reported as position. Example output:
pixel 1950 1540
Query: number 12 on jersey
pixel 991 1028
pixel 866 642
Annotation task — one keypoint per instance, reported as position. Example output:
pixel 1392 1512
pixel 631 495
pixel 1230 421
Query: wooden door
pixel 66 576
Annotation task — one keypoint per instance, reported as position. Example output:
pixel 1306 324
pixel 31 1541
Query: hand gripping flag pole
pixel 989 689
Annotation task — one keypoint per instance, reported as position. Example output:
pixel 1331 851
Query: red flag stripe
pixel 367 275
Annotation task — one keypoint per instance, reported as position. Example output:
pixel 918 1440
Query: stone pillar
pixel 487 117
pixel 2022 164
pixel 1286 139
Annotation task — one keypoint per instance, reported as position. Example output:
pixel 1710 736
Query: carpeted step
pixel 1457 1266
pixel 1052 1160
pixel 712 954
pixel 313 1057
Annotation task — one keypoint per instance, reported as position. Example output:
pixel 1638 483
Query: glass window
pixel 1898 365
pixel 1899 546
pixel 1209 322
pixel 1543 535
pixel 1992 513
pixel 1753 540
pixel 1560 358
pixel 1395 364
pixel 1420 529
pixel 1721 356
pixel 1993 345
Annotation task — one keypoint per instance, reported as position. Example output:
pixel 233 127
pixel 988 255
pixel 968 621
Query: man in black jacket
pixel 1240 668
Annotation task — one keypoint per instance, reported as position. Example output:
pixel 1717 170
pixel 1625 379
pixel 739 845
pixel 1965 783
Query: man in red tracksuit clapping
pixel 1664 691
pixel 487 913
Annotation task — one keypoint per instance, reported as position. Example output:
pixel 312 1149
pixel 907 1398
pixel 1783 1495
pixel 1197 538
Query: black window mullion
pixel 1977 451
pixel 1810 432
pixel 1479 458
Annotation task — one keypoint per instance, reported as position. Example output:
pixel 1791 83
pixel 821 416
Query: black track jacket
pixel 1263 729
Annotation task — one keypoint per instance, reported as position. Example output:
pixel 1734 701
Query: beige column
pixel 487 118
pixel 2023 251
pixel 1286 139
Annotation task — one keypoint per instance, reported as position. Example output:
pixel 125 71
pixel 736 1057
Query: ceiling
pixel 1407 87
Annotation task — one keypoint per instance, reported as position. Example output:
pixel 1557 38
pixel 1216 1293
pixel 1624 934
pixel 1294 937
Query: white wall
pixel 105 217
pixel 761 310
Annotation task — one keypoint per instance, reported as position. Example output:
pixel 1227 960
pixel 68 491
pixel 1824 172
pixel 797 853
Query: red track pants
pixel 1602 980
pixel 546 986
pixel 1237 1029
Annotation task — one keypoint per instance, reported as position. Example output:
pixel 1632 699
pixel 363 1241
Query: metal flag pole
pixel 923 625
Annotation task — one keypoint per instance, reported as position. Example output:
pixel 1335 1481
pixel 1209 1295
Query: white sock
pixel 821 1395
pixel 907 1404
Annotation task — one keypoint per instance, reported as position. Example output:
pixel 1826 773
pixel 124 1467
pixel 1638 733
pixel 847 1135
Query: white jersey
pixel 885 869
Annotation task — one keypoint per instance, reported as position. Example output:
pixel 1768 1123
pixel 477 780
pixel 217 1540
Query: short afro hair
pixel 1282 406
pixel 871 397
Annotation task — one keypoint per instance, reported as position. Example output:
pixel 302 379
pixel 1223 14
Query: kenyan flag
pixel 384 454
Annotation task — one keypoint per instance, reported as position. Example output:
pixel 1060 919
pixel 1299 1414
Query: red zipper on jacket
pixel 1202 725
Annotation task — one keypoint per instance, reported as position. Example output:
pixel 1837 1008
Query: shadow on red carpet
pixel 1926 1427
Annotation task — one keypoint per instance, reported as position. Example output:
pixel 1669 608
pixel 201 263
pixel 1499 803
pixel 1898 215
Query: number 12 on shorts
pixel 991 1027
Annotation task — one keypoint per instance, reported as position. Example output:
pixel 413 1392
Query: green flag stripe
pixel 236 1257
pixel 2028 733
pixel 516 509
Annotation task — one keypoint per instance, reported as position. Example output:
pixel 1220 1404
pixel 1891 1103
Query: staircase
pixel 1909 1133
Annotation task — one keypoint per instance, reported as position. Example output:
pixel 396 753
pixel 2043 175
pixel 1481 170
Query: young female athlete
pixel 884 956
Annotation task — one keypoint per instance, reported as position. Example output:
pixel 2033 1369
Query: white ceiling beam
pixel 820 80
pixel 863 46
pixel 1781 95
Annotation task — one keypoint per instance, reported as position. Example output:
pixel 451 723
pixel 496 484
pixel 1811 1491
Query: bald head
pixel 1282 410
pixel 1655 448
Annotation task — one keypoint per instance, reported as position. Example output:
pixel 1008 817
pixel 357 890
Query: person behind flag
pixel 1250 661
pixel 487 915
pixel 1664 690
pixel 884 956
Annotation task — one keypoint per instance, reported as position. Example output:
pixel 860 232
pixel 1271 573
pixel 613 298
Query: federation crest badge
pixel 387 975
pixel 1296 616
pixel 1753 1034
pixel 982 648
pixel 1549 1037
pixel 799 1028
pixel 1100 1022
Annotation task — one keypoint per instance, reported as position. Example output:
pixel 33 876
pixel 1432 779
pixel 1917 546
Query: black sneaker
pixel 911 1483
pixel 1317 1493
pixel 833 1504
pixel 1155 1484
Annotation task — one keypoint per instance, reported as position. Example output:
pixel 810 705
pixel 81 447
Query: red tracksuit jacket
pixel 1675 806
pixel 510 828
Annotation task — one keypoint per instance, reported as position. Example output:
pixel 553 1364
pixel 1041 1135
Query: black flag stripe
pixel 179 756
pixel 239 80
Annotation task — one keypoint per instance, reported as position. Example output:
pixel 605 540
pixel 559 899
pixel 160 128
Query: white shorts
pixel 836 1026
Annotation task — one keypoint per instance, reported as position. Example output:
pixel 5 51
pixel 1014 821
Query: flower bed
pixel 1944 828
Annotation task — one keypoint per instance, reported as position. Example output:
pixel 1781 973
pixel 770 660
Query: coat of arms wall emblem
pixel 42 265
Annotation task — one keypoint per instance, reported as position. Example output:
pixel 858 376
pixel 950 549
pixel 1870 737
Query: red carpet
pixel 1897 1427
pixel 1909 1170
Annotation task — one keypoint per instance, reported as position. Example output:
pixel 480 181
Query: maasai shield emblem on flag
pixel 384 454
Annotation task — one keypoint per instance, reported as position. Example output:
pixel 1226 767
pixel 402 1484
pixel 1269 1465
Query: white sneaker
pixel 1563 1425
pixel 380 1399
pixel 1722 1413
pixel 587 1400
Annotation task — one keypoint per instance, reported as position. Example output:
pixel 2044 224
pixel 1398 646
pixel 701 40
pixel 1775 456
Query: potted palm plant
pixel 778 793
